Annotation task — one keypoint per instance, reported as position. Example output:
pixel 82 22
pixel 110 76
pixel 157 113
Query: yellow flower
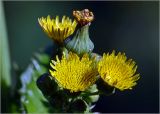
pixel 117 71
pixel 74 73
pixel 56 30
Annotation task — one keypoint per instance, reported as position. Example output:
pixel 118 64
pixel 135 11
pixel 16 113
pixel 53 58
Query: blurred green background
pixel 130 27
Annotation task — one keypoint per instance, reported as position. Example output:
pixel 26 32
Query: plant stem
pixel 102 93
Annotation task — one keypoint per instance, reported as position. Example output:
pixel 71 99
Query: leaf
pixel 34 98
pixel 43 58
pixel 31 97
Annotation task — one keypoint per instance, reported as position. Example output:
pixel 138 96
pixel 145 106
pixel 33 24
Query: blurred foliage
pixel 31 98
pixel 5 68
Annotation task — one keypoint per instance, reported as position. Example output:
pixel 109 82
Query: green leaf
pixel 39 69
pixel 43 58
pixel 31 97
pixel 34 100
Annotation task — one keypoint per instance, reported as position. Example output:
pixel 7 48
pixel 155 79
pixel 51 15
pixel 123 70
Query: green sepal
pixel 96 56
pixel 81 42
pixel 88 96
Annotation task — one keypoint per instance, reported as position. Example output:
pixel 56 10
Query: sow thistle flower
pixel 74 73
pixel 56 30
pixel 117 71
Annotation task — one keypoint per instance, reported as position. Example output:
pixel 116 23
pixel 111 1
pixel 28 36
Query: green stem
pixel 96 93
pixel 102 93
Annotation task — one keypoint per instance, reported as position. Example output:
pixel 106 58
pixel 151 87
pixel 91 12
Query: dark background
pixel 130 27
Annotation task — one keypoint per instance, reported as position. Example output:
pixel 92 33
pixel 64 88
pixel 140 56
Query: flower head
pixel 56 30
pixel 74 73
pixel 117 71
pixel 83 17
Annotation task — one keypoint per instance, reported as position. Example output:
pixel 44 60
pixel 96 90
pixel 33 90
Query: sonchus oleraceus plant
pixel 72 79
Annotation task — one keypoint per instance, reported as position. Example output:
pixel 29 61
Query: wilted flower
pixel 83 17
